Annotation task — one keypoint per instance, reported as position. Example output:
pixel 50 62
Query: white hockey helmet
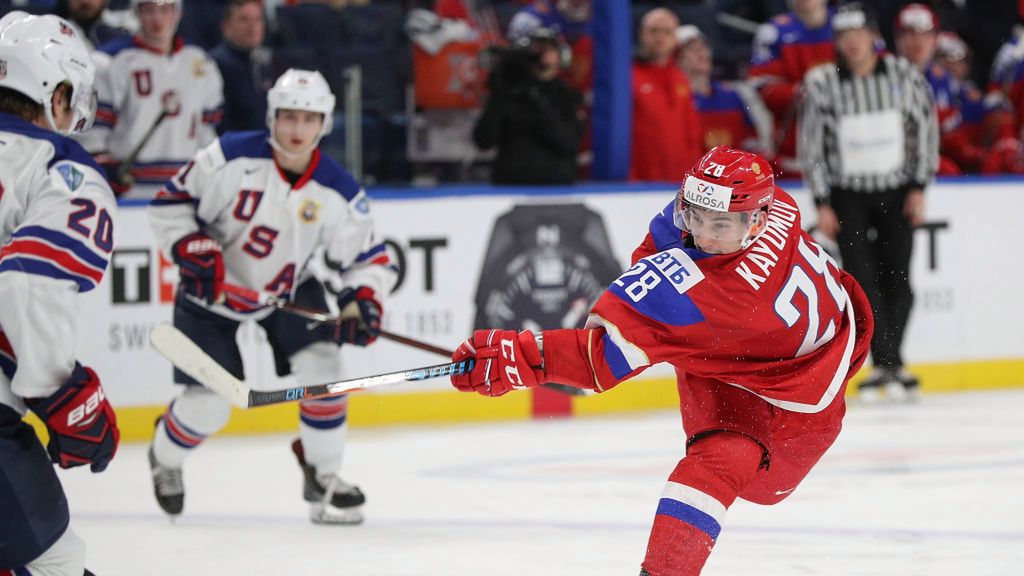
pixel 301 90
pixel 39 53
pixel 136 3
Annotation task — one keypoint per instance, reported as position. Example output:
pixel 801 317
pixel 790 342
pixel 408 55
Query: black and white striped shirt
pixel 867 134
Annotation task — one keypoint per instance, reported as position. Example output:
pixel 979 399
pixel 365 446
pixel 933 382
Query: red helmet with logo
pixel 726 181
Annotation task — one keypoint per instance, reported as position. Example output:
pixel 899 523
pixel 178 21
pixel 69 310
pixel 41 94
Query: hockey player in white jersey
pixel 153 78
pixel 57 218
pixel 250 210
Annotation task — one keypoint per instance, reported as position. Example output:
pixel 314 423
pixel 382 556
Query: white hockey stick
pixel 192 360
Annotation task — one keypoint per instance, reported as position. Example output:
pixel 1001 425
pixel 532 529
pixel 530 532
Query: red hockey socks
pixel 692 507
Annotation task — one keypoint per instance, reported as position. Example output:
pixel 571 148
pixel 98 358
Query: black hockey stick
pixel 123 176
pixel 188 357
pixel 319 316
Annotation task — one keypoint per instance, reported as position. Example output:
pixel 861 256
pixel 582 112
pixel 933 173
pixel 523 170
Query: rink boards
pixel 964 331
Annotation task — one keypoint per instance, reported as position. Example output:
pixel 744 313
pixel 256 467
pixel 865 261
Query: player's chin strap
pixel 748 239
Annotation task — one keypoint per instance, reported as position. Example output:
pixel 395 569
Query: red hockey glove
pixel 505 361
pixel 361 312
pixel 82 424
pixel 201 266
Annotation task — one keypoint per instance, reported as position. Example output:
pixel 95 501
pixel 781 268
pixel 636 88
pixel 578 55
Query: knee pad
pixel 201 410
pixel 720 464
pixel 65 558
pixel 317 363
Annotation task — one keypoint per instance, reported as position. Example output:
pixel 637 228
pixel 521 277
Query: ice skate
pixel 870 389
pixel 167 486
pixel 331 500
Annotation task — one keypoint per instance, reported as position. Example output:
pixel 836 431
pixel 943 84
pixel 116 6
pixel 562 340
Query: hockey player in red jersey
pixel 762 327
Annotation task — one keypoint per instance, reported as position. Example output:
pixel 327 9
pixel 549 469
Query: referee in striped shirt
pixel 869 144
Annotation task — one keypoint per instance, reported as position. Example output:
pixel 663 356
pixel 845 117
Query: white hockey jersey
pixel 57 221
pixel 134 84
pixel 269 229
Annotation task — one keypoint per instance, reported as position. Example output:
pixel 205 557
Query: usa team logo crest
pixel 309 211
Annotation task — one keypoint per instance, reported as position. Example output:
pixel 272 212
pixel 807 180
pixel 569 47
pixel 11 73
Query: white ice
pixel 928 489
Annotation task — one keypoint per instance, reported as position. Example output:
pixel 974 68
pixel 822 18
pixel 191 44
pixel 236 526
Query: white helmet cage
pixel 39 53
pixel 301 90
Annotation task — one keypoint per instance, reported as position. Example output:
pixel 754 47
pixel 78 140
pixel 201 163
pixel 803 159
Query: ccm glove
pixel 505 361
pixel 82 424
pixel 360 312
pixel 201 265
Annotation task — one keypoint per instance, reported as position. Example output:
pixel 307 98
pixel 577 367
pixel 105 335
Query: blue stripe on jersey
pixel 64 241
pixel 173 201
pixel 615 359
pixel 661 303
pixel 7 366
pixel 690 515
pixel 116 45
pixel 371 252
pixel 40 268
pixel 22 572
pixel 251 144
pixel 64 148
pixel 330 174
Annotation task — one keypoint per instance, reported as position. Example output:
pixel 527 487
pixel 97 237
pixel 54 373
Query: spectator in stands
pixel 867 161
pixel 917 29
pixel 963 148
pixel 726 114
pixel 531 116
pixel 987 121
pixel 159 101
pixel 244 65
pixel 666 138
pixel 570 20
pixel 96 25
pixel 785 48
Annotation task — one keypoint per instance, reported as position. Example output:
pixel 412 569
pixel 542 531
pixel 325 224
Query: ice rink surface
pixel 931 489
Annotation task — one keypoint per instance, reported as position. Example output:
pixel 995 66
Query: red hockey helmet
pixel 738 186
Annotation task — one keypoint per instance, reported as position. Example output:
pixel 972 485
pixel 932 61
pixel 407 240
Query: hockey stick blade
pixel 192 360
pixel 259 398
pixel 188 357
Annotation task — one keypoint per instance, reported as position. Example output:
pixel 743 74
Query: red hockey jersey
pixel 779 318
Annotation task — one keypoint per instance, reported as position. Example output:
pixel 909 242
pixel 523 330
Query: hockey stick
pixel 122 175
pixel 188 357
pixel 315 315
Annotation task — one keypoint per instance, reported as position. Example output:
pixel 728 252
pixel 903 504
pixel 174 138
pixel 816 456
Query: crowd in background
pixel 445 81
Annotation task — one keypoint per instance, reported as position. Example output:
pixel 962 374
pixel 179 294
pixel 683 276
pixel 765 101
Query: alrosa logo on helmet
pixel 706 194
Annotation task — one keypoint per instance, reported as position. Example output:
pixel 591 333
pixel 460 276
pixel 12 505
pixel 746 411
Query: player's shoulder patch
pixel 252 144
pixel 330 174
pixel 657 286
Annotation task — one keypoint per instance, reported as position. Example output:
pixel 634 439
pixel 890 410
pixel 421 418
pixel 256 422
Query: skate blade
pixel 331 516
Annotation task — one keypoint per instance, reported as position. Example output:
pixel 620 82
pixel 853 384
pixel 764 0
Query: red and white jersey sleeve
pixel 57 223
pixel 269 228
pixel 775 318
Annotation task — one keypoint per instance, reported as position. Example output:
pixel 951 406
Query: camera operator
pixel 533 118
